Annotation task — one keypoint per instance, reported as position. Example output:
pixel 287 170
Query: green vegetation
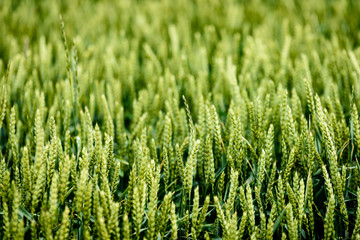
pixel 186 119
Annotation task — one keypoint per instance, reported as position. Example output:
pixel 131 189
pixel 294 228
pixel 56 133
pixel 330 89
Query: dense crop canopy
pixel 179 119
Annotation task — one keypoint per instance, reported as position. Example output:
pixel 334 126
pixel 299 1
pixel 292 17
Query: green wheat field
pixel 179 119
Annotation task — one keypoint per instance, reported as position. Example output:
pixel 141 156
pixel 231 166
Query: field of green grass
pixel 179 119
